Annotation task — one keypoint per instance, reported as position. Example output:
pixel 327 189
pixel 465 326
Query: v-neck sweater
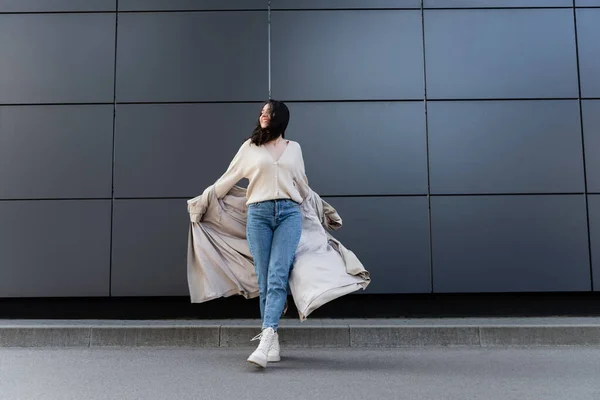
pixel 269 179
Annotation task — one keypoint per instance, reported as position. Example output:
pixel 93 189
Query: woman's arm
pixel 235 172
pixel 302 179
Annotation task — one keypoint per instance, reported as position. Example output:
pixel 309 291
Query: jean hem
pixel 270 326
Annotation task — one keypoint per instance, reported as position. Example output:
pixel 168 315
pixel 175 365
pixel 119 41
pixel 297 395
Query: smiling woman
pixel 273 166
pixel 277 187
pixel 272 123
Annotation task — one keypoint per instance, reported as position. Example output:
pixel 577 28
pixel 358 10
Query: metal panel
pixel 505 147
pixel 56 58
pixel 56 5
pixel 150 248
pixel 215 56
pixel 496 3
pixel 346 55
pixel 510 244
pixel 344 4
pixel 587 3
pixel 177 149
pixel 588 32
pixel 390 236
pixel 189 5
pixel 591 131
pixel 333 137
pixel 56 151
pixel 472 54
pixel 594 210
pixel 54 248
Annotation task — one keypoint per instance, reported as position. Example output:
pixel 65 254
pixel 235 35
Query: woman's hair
pixel 280 117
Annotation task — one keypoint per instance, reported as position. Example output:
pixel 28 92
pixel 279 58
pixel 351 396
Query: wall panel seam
pixel 431 282
pixel 582 133
pixel 112 201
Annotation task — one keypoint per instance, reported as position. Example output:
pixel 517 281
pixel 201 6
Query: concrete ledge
pixel 413 336
pixel 540 336
pixel 44 337
pixel 363 333
pixel 206 336
pixel 324 336
pixel 238 336
pixel 296 336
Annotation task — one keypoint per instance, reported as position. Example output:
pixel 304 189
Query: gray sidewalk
pixel 426 373
pixel 338 333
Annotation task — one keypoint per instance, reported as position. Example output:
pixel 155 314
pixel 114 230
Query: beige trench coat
pixel 220 264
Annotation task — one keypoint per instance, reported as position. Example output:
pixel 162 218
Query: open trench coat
pixel 220 264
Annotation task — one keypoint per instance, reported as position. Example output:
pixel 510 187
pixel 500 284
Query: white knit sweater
pixel 269 179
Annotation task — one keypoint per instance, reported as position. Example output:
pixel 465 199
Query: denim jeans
pixel 273 231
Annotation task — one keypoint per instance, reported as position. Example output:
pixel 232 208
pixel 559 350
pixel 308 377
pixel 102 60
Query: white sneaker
pixel 273 355
pixel 260 355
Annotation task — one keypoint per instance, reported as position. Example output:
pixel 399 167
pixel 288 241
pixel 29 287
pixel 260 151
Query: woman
pixel 277 186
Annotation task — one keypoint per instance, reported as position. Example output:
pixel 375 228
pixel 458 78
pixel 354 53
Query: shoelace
pixel 257 337
pixel 262 344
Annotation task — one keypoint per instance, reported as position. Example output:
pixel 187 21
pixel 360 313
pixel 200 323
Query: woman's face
pixel 265 116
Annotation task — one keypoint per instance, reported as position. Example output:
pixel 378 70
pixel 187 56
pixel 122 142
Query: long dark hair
pixel 280 117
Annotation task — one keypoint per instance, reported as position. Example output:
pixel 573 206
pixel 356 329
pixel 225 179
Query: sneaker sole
pixel 256 363
pixel 273 359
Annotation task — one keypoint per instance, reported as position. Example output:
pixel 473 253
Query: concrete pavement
pixel 223 374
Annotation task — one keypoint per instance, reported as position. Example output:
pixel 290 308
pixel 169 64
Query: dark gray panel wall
pixel 150 248
pixel 591 130
pixel 192 57
pixel 379 148
pixel 343 4
pixel 57 58
pixel 502 118
pixel 496 3
pixel 166 150
pixel 505 147
pixel 56 5
pixel 473 54
pixel 55 151
pixel 587 3
pixel 510 244
pixel 390 235
pixel 189 5
pixel 594 210
pixel 588 31
pixel 331 55
pixel 58 248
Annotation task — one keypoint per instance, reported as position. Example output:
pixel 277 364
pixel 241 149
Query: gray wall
pixel 458 139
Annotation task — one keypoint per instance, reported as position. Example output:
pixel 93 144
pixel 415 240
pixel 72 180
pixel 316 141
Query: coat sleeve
pixel 331 220
pixel 235 172
pixel 197 206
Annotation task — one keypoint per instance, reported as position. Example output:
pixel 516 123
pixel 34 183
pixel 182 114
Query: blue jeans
pixel 273 231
